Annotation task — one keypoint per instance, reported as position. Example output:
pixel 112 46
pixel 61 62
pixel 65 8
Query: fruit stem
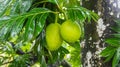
pixel 65 15
pixel 56 17
pixel 51 58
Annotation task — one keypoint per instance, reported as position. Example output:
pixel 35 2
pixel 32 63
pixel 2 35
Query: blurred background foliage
pixel 112 51
pixel 22 32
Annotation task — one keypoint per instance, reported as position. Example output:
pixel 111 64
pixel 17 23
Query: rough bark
pixel 96 33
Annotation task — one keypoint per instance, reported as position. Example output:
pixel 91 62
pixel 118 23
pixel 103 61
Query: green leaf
pixel 3 6
pixel 113 42
pixel 81 14
pixel 108 58
pixel 75 45
pixel 116 35
pixel 94 16
pixel 108 52
pixel 74 12
pixel 113 51
pixel 29 28
pixel 43 62
pixel 17 27
pixel 11 7
pixel 88 16
pixel 9 25
pixel 55 56
pixel 74 54
pixel 5 30
pixel 40 21
pixel 116 29
pixel 117 22
pixel 35 24
pixel 62 52
pixel 24 5
pixel 7 48
pixel 116 58
pixel 65 3
pixel 20 61
pixel 60 3
pixel 52 1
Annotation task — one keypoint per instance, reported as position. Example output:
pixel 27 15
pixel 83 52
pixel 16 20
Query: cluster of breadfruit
pixel 68 31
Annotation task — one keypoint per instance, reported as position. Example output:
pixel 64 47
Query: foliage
pixel 22 29
pixel 112 52
pixel 74 54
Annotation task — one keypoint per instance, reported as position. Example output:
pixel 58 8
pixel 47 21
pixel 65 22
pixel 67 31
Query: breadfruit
pixel 53 37
pixel 70 31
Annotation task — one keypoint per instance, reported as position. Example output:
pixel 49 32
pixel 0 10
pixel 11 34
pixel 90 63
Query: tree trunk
pixel 96 33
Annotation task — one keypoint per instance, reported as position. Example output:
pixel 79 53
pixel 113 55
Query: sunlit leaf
pixel 74 54
pixel 3 6
pixel 62 52
pixel 11 7
pixel 20 61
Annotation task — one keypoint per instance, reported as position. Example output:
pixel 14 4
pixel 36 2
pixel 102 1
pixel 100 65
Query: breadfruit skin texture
pixel 53 37
pixel 70 31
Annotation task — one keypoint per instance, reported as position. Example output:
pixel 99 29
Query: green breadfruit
pixel 70 31
pixel 53 37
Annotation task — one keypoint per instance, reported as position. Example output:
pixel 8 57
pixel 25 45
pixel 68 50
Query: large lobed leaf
pixel 11 7
pixel 14 25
